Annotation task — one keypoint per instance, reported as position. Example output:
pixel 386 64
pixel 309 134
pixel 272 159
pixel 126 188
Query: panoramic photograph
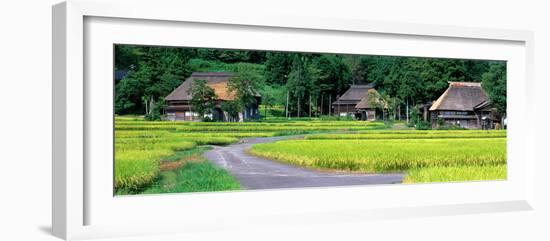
pixel 206 119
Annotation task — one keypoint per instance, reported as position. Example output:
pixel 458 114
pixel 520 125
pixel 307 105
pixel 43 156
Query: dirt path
pixel 259 173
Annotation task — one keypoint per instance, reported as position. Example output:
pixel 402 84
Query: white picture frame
pixel 75 190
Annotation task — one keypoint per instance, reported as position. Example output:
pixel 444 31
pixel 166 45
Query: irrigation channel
pixel 258 173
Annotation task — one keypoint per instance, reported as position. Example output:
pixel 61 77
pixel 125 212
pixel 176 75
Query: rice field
pixel 411 134
pixel 141 146
pixel 161 156
pixel 248 126
pixel 136 159
pixel 456 174
pixel 425 156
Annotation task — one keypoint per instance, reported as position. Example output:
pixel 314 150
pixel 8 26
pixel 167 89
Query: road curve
pixel 258 173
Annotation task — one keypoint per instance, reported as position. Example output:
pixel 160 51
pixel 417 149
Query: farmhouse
pixel 356 102
pixel 178 102
pixel 464 104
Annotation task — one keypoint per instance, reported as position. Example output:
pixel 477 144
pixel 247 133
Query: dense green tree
pixel 494 83
pixel 299 85
pixel 158 71
pixel 380 67
pixel 309 79
pixel 127 57
pixel 358 67
pixel 333 78
pixel 232 108
pixel 155 110
pixel 233 56
pixel 475 70
pixel 169 69
pixel 393 107
pixel 203 97
pixel 257 57
pixel 230 55
pixel 128 96
pixel 333 72
pixel 267 100
pixel 277 67
pixel 246 84
pixel 385 105
pixel 207 53
pixel 277 92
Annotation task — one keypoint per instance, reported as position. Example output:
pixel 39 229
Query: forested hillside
pixel 310 80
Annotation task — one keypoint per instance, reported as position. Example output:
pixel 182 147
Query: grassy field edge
pixel 187 171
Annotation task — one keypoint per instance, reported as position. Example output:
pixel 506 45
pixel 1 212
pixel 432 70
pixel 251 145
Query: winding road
pixel 258 173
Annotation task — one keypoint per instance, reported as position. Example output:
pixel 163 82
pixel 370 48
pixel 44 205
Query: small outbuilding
pixel 178 102
pixel 357 101
pixel 464 104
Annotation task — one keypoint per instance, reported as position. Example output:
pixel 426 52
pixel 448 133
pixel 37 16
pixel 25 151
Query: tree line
pixel 305 83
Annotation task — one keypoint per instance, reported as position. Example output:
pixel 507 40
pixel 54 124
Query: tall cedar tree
pixel 297 84
pixel 277 67
pixel 333 79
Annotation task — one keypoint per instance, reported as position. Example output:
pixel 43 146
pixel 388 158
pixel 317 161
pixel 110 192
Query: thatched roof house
pixel 460 96
pixel 463 103
pixel 215 80
pixel 356 101
pixel 178 101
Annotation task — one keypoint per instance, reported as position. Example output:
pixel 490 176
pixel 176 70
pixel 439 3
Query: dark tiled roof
pixel 460 96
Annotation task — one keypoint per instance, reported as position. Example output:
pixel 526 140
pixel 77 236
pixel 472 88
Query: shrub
pixel 156 113
pixel 423 125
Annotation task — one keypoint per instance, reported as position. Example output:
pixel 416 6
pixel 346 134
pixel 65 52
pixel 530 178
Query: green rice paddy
pixel 163 156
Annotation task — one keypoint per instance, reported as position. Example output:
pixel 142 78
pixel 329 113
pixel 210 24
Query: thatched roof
pixel 357 95
pixel 460 96
pixel 483 105
pixel 355 92
pixel 215 80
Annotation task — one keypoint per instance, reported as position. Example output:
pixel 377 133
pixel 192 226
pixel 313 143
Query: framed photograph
pixel 170 123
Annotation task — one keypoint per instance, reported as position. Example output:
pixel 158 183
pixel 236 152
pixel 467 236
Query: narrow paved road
pixel 259 173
